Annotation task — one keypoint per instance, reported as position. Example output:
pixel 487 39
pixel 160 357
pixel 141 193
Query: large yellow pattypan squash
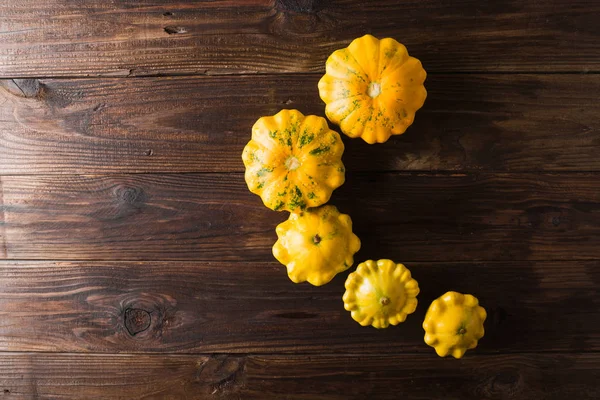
pixel 372 88
pixel 380 293
pixel 316 244
pixel 454 323
pixel 293 162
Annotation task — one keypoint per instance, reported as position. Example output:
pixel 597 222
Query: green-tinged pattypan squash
pixel 293 162
pixel 454 323
pixel 380 293
pixel 372 88
pixel 316 244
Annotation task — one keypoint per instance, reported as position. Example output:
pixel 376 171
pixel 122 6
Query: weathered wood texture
pixel 425 217
pixel 222 307
pixel 469 122
pixel 126 38
pixel 526 376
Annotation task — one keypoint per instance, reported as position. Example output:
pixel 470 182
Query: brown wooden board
pixel 469 122
pixel 213 217
pixel 407 376
pixel 135 263
pixel 128 38
pixel 193 307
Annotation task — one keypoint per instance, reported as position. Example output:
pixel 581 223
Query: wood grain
pixel 192 307
pixel 213 217
pixel 528 376
pixel 126 38
pixel 469 123
pixel 135 264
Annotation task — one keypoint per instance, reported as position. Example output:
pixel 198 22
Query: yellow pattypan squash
pixel 293 162
pixel 372 88
pixel 380 293
pixel 316 244
pixel 454 323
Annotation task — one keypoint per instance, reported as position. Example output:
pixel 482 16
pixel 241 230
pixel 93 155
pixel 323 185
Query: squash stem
pixel 292 163
pixel 374 89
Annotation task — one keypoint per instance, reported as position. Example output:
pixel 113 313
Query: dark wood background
pixel 136 265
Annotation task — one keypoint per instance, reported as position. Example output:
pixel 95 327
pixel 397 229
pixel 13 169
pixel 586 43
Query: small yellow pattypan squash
pixel 293 162
pixel 453 324
pixel 372 88
pixel 380 293
pixel 316 244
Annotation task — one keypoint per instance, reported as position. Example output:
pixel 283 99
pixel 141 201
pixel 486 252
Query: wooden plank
pixel 469 123
pixel 528 376
pixel 187 307
pixel 213 217
pixel 124 38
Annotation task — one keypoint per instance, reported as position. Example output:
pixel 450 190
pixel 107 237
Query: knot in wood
pixel 222 373
pixel 556 221
pixel 503 384
pixel 28 88
pixel 137 320
pixel 129 195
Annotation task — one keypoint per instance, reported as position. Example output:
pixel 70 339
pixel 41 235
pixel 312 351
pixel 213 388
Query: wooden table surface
pixel 135 264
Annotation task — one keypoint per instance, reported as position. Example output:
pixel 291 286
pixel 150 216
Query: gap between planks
pixel 282 74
